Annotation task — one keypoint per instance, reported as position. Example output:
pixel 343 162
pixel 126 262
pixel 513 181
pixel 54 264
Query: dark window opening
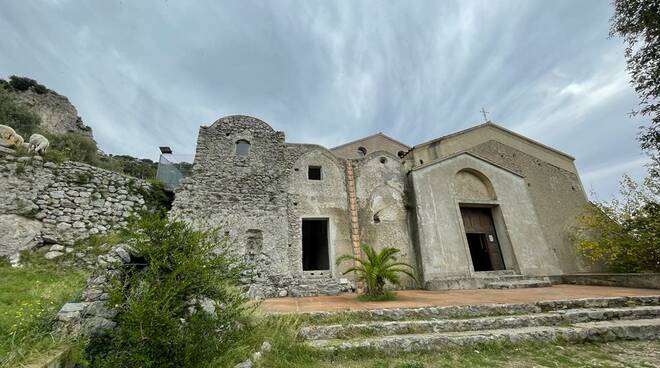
pixel 479 252
pixel 315 255
pixel 314 173
pixel 400 154
pixel 383 160
pixel 242 148
pixel 362 151
pixel 254 244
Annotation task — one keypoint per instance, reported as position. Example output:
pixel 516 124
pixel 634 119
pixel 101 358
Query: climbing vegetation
pixel 377 268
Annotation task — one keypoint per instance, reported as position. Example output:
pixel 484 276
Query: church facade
pixel 471 209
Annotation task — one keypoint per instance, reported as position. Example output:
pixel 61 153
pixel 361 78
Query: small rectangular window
pixel 314 173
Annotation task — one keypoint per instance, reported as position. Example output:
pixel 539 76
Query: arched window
pixel 362 151
pixel 242 148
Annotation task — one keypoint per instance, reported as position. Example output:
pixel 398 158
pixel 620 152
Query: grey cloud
pixel 147 73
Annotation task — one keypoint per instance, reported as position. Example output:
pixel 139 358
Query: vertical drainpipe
pixel 355 225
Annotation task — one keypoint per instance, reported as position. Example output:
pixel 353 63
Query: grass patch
pixel 386 296
pixel 29 299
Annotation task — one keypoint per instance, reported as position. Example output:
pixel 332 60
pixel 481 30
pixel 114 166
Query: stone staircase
pixel 506 279
pixel 429 328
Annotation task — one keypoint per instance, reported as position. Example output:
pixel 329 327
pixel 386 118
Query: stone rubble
pixel 93 315
pixel 256 356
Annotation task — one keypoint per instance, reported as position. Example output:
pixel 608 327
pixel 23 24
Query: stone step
pixel 496 273
pixel 641 329
pixel 317 274
pixel 489 279
pixel 554 318
pixel 487 310
pixel 518 284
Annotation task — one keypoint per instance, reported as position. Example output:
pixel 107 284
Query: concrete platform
pixel 424 298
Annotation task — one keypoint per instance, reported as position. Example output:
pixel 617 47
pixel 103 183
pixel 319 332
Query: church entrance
pixel 481 238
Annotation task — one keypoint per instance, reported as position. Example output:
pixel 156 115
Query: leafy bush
pixel 72 147
pixel 17 116
pixel 377 268
pixel 23 84
pixel 624 234
pixel 162 321
pixel 139 168
pixel 156 198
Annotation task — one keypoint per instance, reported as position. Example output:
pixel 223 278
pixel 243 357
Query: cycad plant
pixel 377 268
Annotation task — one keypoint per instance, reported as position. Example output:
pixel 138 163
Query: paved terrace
pixel 424 298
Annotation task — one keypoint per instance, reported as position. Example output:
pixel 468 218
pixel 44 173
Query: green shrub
pixel 161 322
pixel 624 234
pixel 72 147
pixel 17 116
pixel 23 84
pixel 83 178
pixel 139 168
pixel 156 198
pixel 385 296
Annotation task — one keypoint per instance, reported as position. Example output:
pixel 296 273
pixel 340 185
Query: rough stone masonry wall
pixel 47 203
pixel 243 196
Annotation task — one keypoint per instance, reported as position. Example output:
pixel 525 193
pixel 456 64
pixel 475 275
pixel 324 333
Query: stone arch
pixel 472 184
pixel 321 151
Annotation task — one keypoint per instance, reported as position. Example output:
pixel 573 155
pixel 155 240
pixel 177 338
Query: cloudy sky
pixel 149 73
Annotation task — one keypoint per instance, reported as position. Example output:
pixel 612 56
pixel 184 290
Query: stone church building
pixel 483 207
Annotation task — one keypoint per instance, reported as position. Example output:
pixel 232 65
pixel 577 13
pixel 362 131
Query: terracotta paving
pixel 424 298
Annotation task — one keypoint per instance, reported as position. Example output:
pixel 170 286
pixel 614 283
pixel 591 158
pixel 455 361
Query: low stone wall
pixel 47 203
pixel 633 280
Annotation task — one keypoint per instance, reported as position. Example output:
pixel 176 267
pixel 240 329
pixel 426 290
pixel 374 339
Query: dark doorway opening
pixel 315 255
pixel 479 252
pixel 482 240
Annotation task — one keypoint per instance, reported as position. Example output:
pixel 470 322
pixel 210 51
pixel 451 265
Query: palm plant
pixel 377 268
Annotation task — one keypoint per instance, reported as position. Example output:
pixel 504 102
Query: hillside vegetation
pixel 67 146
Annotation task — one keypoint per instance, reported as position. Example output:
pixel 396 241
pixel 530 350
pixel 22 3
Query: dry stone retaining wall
pixel 47 203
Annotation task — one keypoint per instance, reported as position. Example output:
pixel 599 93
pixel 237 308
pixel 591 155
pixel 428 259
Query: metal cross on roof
pixel 484 112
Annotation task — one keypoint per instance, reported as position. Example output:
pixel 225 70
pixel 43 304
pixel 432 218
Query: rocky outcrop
pixel 58 115
pixel 18 233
